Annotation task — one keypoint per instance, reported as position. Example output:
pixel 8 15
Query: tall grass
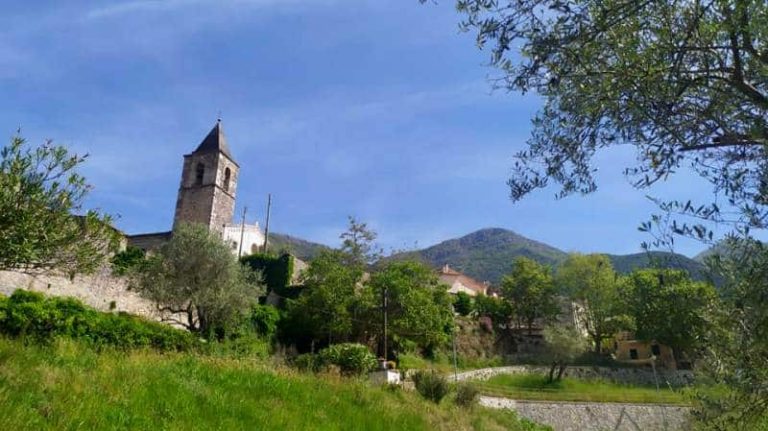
pixel 537 387
pixel 68 386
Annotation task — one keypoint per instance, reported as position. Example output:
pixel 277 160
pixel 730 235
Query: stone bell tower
pixel 208 184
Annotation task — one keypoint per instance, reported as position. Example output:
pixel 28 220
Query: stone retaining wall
pixel 637 376
pixel 99 290
pixel 572 416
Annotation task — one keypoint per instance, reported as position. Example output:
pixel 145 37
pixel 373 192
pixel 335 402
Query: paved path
pixel 580 416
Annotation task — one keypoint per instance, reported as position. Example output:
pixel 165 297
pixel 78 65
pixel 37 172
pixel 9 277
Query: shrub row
pixel 32 316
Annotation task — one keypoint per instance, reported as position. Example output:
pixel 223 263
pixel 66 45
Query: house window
pixel 199 172
pixel 633 353
pixel 656 350
pixel 227 175
pixel 234 245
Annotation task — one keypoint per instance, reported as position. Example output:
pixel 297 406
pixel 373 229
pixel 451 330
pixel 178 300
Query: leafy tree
pixel 463 304
pixel 684 82
pixel 418 305
pixel 667 306
pixel 591 280
pixel 195 275
pixel 40 193
pixel 564 344
pixel 324 311
pixel 531 291
pixel 358 243
pixel 736 347
pixel 497 309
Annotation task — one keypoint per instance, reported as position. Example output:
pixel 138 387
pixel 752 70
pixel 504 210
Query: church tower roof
pixel 215 142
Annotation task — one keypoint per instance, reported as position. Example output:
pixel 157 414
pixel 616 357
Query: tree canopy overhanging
pixel 685 82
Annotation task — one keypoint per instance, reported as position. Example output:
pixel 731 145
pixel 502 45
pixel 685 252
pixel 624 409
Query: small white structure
pixel 385 377
pixel 252 237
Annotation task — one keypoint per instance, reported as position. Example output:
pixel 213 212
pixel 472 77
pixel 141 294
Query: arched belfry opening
pixel 199 174
pixel 227 178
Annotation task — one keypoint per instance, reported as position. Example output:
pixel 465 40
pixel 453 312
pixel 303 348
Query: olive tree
pixel 564 344
pixel 43 223
pixel 198 283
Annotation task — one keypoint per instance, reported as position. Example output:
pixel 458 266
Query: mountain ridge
pixel 487 254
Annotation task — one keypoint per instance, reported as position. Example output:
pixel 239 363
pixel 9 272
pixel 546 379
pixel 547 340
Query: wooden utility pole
pixel 266 228
pixel 384 294
pixel 242 234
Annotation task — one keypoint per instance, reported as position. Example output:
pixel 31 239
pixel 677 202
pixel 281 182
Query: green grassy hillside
pixel 68 386
pixel 487 254
pixel 303 249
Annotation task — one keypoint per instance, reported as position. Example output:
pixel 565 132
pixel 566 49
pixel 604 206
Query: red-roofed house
pixel 459 282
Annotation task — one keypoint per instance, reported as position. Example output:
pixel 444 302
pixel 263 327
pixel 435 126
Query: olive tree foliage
pixel 196 277
pixel 591 280
pixel 737 346
pixel 41 193
pixel 531 292
pixel 564 345
pixel 684 82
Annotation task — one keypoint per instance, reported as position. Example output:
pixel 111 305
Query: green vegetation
pixel 591 280
pixel 351 358
pixel 564 344
pixel 668 307
pixel 195 275
pixel 40 193
pixel 538 387
pixel 128 260
pixel 531 293
pixel 67 386
pixel 33 317
pixel 431 385
pixel 276 270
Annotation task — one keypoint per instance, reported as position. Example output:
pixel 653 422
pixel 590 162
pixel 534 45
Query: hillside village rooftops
pixel 460 282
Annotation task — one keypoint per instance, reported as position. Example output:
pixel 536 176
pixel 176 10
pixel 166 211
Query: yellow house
pixel 629 350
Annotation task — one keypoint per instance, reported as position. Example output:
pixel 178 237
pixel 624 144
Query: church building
pixel 207 196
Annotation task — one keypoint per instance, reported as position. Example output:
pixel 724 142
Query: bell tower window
pixel 227 176
pixel 199 173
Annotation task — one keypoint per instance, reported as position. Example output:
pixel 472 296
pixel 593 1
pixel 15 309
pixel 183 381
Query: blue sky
pixel 377 109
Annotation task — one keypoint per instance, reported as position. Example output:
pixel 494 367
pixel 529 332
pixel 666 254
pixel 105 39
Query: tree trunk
pixel 552 372
pixel 561 371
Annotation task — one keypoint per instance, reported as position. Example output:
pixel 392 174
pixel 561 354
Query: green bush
pixel 129 259
pixel 463 304
pixel 466 394
pixel 263 320
pixel 34 317
pixel 351 358
pixel 431 385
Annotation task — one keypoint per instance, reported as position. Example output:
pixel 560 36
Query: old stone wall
pixel 636 376
pixel 99 290
pixel 572 416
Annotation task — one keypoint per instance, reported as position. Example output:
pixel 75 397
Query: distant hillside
pixel 629 262
pixel 303 249
pixel 487 255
